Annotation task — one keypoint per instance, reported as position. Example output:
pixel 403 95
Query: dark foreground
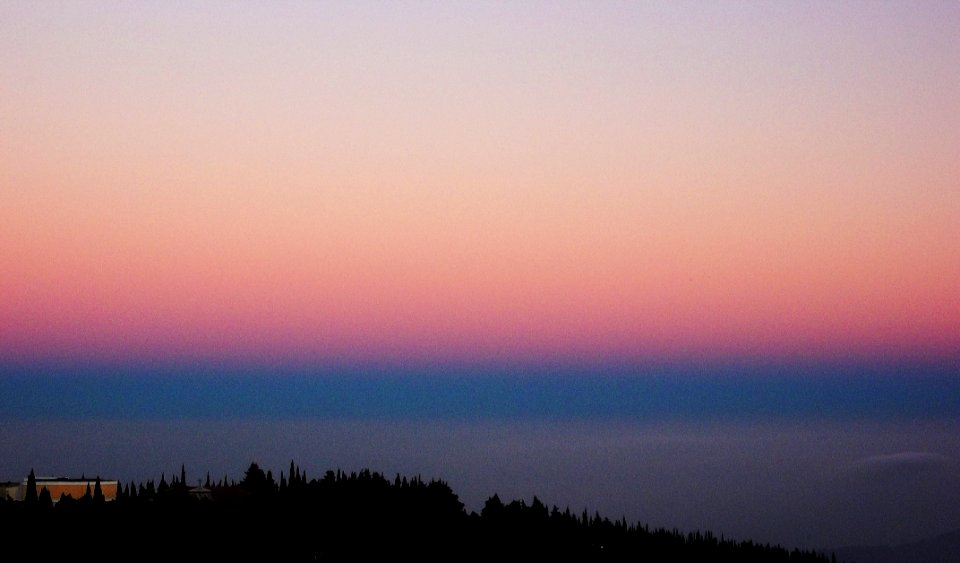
pixel 338 517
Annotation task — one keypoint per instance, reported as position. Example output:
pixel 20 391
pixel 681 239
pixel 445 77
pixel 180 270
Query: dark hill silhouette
pixel 340 516
pixel 944 548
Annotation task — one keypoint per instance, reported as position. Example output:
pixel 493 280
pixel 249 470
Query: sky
pixel 479 181
pixel 477 213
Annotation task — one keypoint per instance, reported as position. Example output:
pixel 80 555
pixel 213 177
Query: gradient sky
pixel 479 182
pixel 694 263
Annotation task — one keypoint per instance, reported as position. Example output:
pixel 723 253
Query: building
pixel 75 488
pixel 200 493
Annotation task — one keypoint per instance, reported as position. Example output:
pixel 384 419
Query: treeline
pixel 340 516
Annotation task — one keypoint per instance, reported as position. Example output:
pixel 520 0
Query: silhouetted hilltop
pixel 340 516
pixel 944 548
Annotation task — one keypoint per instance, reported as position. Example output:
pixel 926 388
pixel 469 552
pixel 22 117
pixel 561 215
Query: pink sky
pixel 449 181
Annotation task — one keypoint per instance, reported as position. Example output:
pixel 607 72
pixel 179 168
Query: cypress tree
pixel 30 497
pixel 97 491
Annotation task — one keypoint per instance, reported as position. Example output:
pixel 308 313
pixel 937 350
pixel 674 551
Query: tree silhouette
pixel 355 516
pixel 255 480
pixel 30 496
pixel 44 500
pixel 97 492
pixel 493 507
